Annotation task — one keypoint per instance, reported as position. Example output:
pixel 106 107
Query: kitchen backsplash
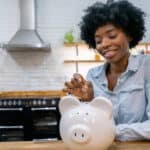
pixel 39 70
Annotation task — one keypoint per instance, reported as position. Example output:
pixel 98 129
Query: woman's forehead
pixel 105 29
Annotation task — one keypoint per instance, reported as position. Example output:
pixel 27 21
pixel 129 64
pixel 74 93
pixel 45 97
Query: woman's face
pixel 112 43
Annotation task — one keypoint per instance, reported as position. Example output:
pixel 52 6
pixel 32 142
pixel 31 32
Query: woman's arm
pixel 141 130
pixel 133 132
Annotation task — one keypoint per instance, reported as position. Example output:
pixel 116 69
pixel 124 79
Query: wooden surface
pixel 61 146
pixel 31 94
pixel 83 61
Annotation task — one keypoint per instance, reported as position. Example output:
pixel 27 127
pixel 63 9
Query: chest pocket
pixel 131 103
pixel 132 88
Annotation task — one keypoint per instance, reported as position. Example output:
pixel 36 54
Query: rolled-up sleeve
pixel 133 132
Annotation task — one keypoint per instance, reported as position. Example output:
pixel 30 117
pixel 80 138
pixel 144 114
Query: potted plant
pixel 69 37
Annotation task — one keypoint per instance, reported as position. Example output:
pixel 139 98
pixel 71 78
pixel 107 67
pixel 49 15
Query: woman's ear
pixel 68 102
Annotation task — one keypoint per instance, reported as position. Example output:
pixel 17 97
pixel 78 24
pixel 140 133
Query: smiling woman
pixel 112 29
pixel 112 43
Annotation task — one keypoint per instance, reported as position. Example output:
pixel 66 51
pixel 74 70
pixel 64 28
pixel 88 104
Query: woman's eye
pixel 112 36
pixel 98 42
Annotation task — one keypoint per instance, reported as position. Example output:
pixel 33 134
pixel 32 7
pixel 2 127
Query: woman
pixel 112 29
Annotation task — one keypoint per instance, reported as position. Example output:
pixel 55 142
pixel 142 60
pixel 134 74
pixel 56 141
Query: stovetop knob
pixel 10 102
pixel 34 102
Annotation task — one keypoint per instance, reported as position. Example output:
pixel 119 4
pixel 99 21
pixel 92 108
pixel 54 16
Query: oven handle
pixel 44 140
pixel 11 127
pixel 47 124
pixel 43 108
pixel 11 109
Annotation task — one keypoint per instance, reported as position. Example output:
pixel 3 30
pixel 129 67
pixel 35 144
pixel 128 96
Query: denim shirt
pixel 130 97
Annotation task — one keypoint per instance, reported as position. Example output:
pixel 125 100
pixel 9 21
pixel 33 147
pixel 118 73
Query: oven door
pixel 45 123
pixel 11 133
pixel 11 116
pixel 11 124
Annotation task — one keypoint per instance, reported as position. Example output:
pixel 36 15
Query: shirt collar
pixel 133 65
pixel 100 70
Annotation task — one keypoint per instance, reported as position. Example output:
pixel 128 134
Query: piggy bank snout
pixel 80 134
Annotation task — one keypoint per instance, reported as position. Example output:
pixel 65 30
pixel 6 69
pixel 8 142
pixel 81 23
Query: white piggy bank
pixel 86 126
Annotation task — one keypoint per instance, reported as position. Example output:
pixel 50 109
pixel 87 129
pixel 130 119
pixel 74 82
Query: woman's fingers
pixel 69 85
pixel 79 78
pixel 69 91
pixel 79 87
pixel 75 83
pixel 65 89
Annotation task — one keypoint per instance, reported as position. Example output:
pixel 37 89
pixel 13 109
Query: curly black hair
pixel 122 14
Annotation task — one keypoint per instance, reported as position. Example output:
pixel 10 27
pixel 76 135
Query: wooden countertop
pixel 61 146
pixel 31 94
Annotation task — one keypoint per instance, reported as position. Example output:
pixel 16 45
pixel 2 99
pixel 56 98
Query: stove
pixel 29 119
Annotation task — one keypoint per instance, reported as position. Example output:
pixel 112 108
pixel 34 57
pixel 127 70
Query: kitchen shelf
pixel 83 61
pixel 144 43
pixel 83 43
pixel 78 60
pixel 74 44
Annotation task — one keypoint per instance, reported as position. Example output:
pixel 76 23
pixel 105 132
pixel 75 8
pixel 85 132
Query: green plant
pixel 69 37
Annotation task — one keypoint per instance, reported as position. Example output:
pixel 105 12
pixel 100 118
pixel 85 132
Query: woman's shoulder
pixel 143 56
pixel 142 59
pixel 144 62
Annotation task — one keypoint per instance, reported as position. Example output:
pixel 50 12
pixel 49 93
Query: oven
pixel 46 120
pixel 29 119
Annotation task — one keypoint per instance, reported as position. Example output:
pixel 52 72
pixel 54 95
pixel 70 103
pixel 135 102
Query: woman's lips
pixel 109 54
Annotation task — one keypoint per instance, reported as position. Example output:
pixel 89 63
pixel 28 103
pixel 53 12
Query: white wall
pixel 40 70
pixel 55 17
pixel 145 6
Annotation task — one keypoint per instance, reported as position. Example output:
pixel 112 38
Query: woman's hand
pixel 79 87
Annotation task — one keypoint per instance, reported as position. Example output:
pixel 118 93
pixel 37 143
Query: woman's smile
pixel 108 54
pixel 112 43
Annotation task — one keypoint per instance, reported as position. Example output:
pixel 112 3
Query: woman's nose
pixel 105 43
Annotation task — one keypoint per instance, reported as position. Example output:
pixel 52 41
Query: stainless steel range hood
pixel 27 38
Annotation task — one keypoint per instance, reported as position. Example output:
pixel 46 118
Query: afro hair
pixel 121 14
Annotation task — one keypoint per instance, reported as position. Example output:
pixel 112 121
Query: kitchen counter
pixel 31 94
pixel 61 146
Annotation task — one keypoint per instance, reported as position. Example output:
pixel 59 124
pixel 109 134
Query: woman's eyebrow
pixel 110 30
pixel 97 36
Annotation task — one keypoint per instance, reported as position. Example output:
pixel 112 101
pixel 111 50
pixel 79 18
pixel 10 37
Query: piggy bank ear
pixel 68 102
pixel 104 104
